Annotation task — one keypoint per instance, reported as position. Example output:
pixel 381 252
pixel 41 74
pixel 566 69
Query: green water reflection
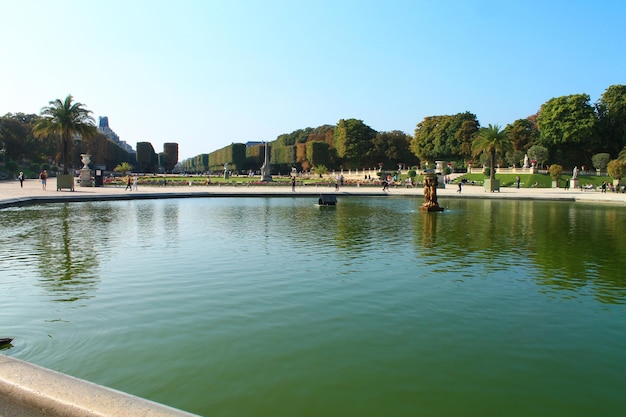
pixel 274 307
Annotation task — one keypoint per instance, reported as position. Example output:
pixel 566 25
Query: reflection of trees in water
pixel 66 253
pixel 574 246
pixel 170 221
pixel 362 224
pixel 581 250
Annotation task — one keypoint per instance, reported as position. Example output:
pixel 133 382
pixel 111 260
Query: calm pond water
pixel 275 307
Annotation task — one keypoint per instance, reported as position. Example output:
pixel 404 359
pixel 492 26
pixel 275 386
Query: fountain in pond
pixel 430 193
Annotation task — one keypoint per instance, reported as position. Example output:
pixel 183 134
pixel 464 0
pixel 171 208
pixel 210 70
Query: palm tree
pixel 64 119
pixel 493 140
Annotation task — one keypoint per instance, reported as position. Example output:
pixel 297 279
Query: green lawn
pixel 543 180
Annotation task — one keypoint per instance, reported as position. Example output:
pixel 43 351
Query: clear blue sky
pixel 208 73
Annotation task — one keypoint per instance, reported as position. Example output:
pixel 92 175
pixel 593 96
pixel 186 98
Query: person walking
pixel 135 183
pixel 293 183
pixel 518 180
pixel 20 178
pixel 43 176
pixel 129 186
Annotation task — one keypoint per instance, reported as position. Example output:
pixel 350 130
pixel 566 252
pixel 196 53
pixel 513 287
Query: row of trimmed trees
pixel 351 144
pixel 568 130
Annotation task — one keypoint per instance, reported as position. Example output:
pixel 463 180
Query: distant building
pixel 253 143
pixel 103 127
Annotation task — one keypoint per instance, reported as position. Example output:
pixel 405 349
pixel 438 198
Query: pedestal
pixel 85 178
pixel 573 183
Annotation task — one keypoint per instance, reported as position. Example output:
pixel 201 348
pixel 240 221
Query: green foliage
pixel 555 171
pixel 297 136
pixel 600 160
pixel 412 173
pixel 491 140
pixel 13 137
pixel 445 137
pixel 566 120
pixel 529 180
pixel 255 156
pixel 123 167
pixel 320 169
pixel 170 156
pixel 539 154
pixel 352 140
pixel 616 168
pixel 147 160
pixel 394 146
pixel 283 155
pixel 514 158
pixel 106 152
pixel 11 166
pixel 523 133
pixel 568 128
pixel 318 154
pixel 63 120
pixel 233 154
pixel 611 109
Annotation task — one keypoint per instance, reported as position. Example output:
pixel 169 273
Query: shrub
pixel 616 168
pixel 600 160
pixel 11 166
pixel 556 171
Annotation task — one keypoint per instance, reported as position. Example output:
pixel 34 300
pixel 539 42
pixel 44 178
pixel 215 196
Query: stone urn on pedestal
pixel 85 172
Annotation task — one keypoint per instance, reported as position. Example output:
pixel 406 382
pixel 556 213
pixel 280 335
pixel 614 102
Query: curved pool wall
pixel 27 390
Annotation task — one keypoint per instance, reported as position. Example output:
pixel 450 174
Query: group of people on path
pixel 131 185
pixel 43 177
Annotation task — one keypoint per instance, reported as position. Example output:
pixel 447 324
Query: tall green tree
pixel 445 137
pixel 611 109
pixel 352 140
pixel 63 120
pixel 13 135
pixel 16 135
pixel 492 140
pixel 567 127
pixel 392 148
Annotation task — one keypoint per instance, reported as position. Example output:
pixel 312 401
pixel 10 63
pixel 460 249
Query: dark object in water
pixel 5 340
pixel 327 200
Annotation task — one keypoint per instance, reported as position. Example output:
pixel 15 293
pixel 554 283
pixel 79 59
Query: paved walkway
pixel 12 195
